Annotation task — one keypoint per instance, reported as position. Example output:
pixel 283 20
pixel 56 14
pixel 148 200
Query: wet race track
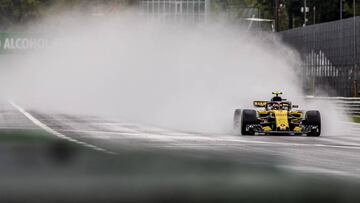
pixel 184 154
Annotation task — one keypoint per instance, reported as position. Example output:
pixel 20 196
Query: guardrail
pixel 350 105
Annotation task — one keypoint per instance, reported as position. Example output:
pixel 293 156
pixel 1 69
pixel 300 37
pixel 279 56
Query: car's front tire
pixel 313 118
pixel 248 117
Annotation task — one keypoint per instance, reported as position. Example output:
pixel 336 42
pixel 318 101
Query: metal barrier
pixel 179 11
pixel 331 56
pixel 349 105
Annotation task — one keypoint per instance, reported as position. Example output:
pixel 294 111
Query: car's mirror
pixel 295 106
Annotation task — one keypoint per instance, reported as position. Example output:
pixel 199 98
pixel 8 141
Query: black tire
pixel 248 117
pixel 237 120
pixel 313 118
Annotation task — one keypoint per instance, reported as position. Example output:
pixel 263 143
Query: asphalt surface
pixel 337 155
pixel 326 156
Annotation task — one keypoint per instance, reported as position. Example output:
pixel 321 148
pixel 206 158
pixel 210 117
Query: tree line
pixel 289 11
pixel 19 12
pixel 15 12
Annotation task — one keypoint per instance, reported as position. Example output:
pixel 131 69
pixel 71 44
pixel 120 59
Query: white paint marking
pixel 216 140
pixel 306 169
pixel 51 131
pixel 166 138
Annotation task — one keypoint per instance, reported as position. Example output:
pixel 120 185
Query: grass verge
pixel 356 119
pixel 25 135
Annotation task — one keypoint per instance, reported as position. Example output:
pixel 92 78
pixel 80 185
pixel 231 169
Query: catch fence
pixel 178 11
pixel 331 56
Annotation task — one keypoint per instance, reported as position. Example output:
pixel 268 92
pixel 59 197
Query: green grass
pixel 356 119
pixel 25 135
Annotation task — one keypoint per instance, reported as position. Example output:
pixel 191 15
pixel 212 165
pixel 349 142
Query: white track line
pixel 305 169
pixel 166 137
pixel 228 140
pixel 51 131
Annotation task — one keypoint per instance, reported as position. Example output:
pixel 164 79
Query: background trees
pixel 289 11
pixel 14 12
pixel 319 11
pixel 19 12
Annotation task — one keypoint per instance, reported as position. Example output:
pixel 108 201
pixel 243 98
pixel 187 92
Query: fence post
pixel 354 88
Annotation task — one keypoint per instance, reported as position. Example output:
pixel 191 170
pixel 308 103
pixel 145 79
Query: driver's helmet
pixel 276 99
pixel 276 106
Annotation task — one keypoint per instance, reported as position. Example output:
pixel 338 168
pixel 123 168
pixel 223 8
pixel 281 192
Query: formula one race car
pixel 277 117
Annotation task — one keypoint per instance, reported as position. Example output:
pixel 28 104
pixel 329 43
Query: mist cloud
pixel 173 76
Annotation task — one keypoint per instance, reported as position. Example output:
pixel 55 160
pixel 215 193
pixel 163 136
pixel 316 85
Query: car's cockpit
pixel 278 106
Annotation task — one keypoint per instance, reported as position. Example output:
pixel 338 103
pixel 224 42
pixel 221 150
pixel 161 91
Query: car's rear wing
pixel 260 104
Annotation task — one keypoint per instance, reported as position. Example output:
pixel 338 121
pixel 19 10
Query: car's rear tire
pixel 313 118
pixel 237 121
pixel 248 117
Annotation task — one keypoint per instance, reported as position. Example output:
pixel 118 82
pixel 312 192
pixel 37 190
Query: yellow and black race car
pixel 277 117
